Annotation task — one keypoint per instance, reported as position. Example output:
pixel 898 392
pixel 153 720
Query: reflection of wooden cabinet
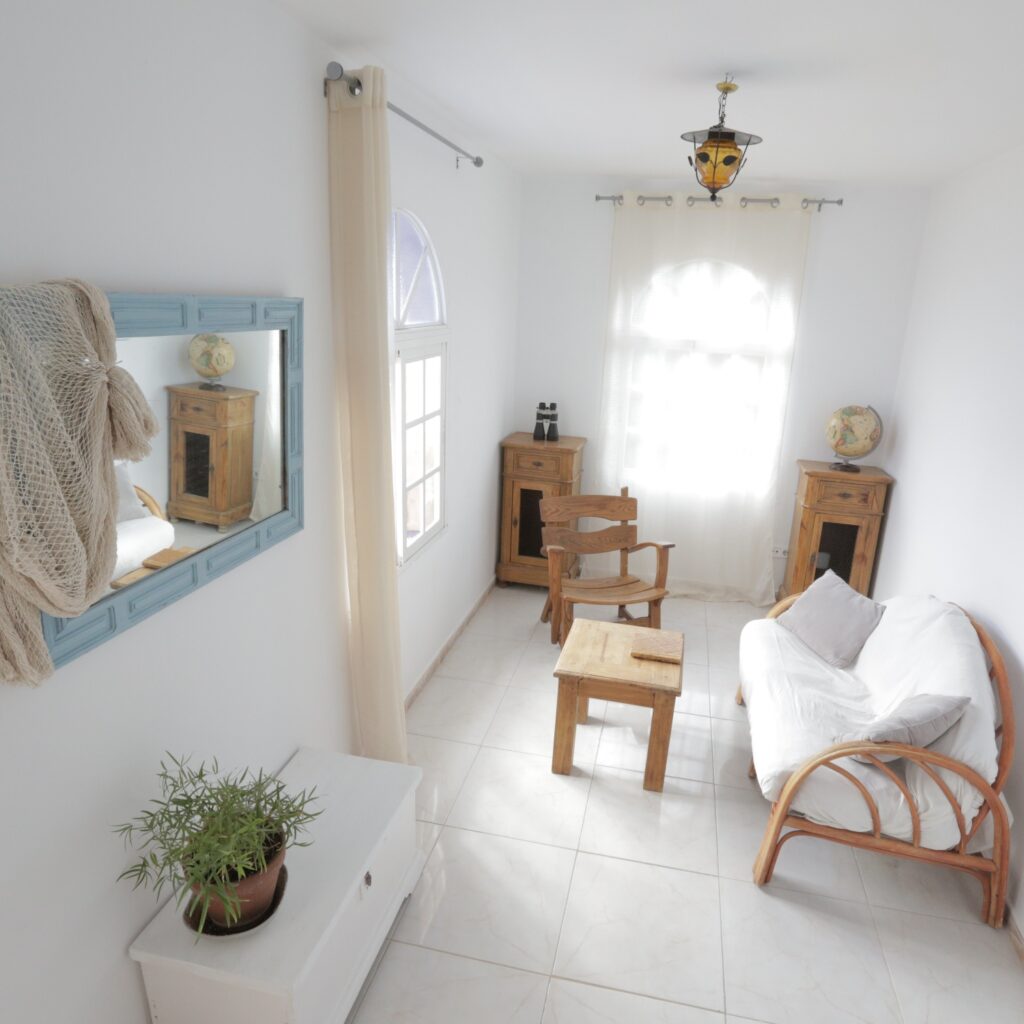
pixel 836 525
pixel 211 442
pixel 532 470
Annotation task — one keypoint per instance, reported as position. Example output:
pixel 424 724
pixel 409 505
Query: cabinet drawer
pixel 543 465
pixel 195 410
pixel 847 495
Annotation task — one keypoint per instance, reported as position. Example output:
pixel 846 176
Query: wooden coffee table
pixel 596 662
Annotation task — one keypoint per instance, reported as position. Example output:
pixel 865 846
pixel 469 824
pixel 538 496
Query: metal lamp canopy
pixel 719 152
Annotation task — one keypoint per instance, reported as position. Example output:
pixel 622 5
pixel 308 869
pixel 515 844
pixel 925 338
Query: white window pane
pixel 432 382
pixel 413 453
pixel 410 249
pixel 413 513
pixel 432 500
pixel 423 306
pixel 432 444
pixel 413 390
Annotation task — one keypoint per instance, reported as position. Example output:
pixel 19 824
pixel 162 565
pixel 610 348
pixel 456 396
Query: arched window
pixel 417 295
pixel 420 407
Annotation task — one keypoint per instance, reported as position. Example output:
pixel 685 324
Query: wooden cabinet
pixel 211 440
pixel 532 470
pixel 836 525
pixel 306 963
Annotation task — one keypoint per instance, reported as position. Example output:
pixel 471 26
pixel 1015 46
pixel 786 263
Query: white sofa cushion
pixel 137 539
pixel 797 704
pixel 833 619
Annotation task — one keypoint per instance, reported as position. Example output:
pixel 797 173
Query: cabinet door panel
pixel 526 521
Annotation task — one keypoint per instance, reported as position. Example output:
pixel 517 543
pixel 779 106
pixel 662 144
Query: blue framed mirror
pixel 224 479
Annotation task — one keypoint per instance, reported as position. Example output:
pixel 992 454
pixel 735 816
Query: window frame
pixel 418 345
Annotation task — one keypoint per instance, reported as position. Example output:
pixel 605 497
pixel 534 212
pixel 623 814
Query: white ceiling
pixel 852 91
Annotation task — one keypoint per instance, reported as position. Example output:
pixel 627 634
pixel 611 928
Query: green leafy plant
pixel 208 831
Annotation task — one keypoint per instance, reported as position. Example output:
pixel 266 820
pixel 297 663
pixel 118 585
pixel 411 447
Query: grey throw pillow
pixel 832 619
pixel 918 721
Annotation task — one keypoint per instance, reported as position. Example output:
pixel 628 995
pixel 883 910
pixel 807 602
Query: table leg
pixel 565 726
pixel 582 709
pixel 657 746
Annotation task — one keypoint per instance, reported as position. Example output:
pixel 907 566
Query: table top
pixel 601 650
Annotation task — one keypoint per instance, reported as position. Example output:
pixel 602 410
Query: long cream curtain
pixel 702 320
pixel 360 198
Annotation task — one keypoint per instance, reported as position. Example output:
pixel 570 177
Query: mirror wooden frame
pixel 138 315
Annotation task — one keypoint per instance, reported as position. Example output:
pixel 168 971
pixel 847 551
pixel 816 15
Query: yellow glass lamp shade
pixel 717 161
pixel 719 152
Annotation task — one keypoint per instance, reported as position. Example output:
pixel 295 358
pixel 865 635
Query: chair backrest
pixel 558 515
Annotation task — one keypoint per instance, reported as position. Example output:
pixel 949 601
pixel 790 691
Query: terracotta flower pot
pixel 255 892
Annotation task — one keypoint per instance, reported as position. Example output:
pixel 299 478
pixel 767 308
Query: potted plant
pixel 221 838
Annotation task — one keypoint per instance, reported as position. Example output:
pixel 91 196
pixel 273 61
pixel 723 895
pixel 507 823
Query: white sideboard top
pixel 358 797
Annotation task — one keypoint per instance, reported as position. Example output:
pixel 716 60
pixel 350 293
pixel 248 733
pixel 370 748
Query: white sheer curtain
pixel 702 318
pixel 360 214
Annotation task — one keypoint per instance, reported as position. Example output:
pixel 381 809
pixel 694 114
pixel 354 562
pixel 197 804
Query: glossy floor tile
pixel 569 1002
pixel 644 929
pixel 674 828
pixel 793 958
pixel 508 793
pixel 445 765
pixel 584 899
pixel 422 985
pixel 627 730
pixel 951 972
pixel 492 898
pixel 454 709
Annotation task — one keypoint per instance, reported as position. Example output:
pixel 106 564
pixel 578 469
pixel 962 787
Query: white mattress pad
pixel 798 705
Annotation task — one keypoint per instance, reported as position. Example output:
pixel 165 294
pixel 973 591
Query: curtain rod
pixel 336 73
pixel 745 201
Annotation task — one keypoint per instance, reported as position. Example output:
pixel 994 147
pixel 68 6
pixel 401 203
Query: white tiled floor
pixel 550 899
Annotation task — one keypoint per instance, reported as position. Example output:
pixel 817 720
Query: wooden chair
pixel 560 536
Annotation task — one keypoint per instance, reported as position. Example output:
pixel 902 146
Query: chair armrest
pixel 780 606
pixel 663 548
pixel 556 561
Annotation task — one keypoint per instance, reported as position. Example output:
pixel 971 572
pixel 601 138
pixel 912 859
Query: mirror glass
pixel 217 463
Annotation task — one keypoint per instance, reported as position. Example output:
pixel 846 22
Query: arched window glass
pixel 417 294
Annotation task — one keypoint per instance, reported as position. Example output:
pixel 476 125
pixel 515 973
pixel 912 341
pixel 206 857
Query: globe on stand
pixel 211 356
pixel 853 432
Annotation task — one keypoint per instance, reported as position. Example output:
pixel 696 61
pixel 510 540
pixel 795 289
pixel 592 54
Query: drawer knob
pixel 845 494
pixel 538 463
pixel 368 879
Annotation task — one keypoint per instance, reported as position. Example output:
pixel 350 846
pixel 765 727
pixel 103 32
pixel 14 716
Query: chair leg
pixel 566 622
pixel 545 616
pixel 751 771
pixel 739 696
pixel 764 865
pixel 623 613
pixel 654 614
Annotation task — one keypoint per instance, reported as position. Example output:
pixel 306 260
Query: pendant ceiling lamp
pixel 719 152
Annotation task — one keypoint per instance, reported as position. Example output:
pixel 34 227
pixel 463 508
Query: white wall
pixel 860 270
pixel 472 216
pixel 155 147
pixel 953 447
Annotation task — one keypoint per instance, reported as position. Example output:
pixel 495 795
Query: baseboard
pixel 1016 937
pixel 446 647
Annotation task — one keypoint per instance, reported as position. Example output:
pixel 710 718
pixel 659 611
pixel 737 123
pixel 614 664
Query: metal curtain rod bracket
pixel 617 199
pixel 773 201
pixel 714 200
pixel 805 203
pixel 642 200
pixel 335 73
